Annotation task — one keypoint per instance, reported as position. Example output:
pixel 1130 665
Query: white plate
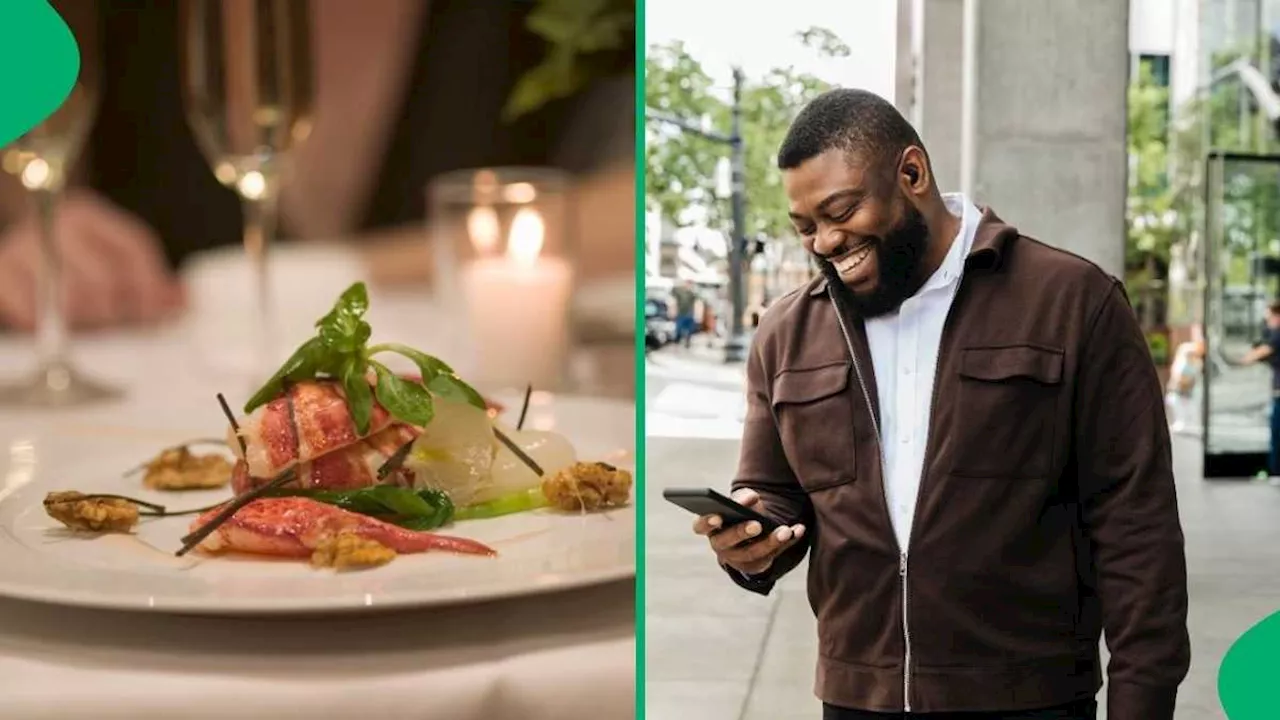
pixel 538 552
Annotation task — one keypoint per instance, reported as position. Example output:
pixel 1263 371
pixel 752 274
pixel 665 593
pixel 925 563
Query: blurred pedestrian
pixel 1268 350
pixel 1184 382
pixel 687 301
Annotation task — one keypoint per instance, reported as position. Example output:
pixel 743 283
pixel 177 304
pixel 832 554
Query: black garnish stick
pixel 192 511
pixel 528 391
pixel 394 462
pixel 152 509
pixel 231 417
pixel 231 508
pixel 524 458
pixel 180 446
pixel 135 501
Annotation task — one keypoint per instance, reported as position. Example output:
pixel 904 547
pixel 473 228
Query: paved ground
pixel 718 653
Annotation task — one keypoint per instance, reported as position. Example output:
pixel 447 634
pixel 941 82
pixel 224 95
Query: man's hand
pixel 113 269
pixel 754 557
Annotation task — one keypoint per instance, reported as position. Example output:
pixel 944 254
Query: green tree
pixel 681 166
pixel 1167 154
pixel 1149 201
pixel 768 107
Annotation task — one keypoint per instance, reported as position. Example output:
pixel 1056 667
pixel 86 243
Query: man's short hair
pixel 1274 307
pixel 855 121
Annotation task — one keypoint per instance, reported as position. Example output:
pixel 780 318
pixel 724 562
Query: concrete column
pixel 1044 119
pixel 904 57
pixel 939 87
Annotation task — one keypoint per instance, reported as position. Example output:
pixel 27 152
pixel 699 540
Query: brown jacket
pixel 1046 511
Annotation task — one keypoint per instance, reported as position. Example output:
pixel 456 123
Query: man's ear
pixel 913 171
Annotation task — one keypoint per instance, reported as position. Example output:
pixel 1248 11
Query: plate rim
pixel 339 605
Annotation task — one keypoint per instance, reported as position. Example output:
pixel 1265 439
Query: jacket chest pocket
pixel 1008 411
pixel 814 412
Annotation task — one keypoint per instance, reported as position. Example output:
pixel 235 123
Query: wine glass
pixel 41 159
pixel 246 79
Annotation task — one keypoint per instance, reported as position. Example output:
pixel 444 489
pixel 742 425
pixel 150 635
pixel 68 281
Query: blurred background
pixel 1141 134
pixel 223 169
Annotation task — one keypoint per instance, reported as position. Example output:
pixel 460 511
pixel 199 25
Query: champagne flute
pixel 41 159
pixel 246 78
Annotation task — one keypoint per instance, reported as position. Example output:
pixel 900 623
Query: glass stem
pixel 259 236
pixel 51 320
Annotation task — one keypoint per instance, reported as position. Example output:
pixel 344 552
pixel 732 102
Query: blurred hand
pixel 754 557
pixel 114 272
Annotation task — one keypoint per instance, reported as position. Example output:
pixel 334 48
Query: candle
pixel 518 309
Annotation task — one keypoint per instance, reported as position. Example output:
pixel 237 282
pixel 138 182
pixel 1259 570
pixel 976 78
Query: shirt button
pixel 905 439
pixel 906 371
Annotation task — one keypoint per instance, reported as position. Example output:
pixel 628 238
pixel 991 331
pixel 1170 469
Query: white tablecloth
pixel 563 657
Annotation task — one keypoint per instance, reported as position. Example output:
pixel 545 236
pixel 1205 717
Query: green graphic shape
pixel 39 63
pixel 1247 684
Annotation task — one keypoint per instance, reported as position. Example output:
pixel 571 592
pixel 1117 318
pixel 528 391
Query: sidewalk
pixel 716 652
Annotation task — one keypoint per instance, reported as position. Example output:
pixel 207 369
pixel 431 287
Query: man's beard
pixel 898 258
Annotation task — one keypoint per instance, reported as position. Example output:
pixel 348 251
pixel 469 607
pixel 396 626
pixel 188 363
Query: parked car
pixel 659 328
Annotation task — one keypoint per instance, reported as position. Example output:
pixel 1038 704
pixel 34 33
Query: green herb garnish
pixel 412 509
pixel 339 351
pixel 511 503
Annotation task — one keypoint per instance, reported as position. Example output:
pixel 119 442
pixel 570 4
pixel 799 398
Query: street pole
pixel 735 349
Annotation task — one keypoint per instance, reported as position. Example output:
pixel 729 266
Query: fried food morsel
pixel 91 514
pixel 348 550
pixel 179 469
pixel 588 486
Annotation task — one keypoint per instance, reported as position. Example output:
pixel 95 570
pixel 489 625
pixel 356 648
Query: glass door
pixel 1242 233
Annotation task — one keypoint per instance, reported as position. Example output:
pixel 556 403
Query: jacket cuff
pixel 761 584
pixel 1127 701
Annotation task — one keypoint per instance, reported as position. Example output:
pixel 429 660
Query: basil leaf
pixel 423 524
pixel 425 509
pixel 356 501
pixel 301 365
pixel 342 328
pixel 355 299
pixel 437 376
pixel 344 333
pixel 405 400
pixel 429 367
pixel 442 511
pixel 359 396
pixel 400 501
pixel 438 498
pixel 451 387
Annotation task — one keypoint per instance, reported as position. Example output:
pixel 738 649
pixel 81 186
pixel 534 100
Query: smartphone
pixel 705 501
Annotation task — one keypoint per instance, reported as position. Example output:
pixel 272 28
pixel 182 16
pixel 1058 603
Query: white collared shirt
pixel 904 353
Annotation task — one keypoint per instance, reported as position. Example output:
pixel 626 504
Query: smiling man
pixel 963 428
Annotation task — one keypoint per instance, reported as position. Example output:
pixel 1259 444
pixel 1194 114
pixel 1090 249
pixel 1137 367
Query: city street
pixel 716 652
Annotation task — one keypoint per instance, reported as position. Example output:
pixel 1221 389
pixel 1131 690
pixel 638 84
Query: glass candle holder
pixel 501 248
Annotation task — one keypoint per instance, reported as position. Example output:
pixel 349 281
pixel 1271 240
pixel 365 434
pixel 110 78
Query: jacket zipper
pixel 902 555
pixel 928 442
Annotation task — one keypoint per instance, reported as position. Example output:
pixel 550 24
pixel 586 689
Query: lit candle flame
pixel 253 185
pixel 525 242
pixel 520 193
pixel 482 227
pixel 35 175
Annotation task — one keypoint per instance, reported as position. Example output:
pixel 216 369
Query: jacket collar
pixel 989 245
